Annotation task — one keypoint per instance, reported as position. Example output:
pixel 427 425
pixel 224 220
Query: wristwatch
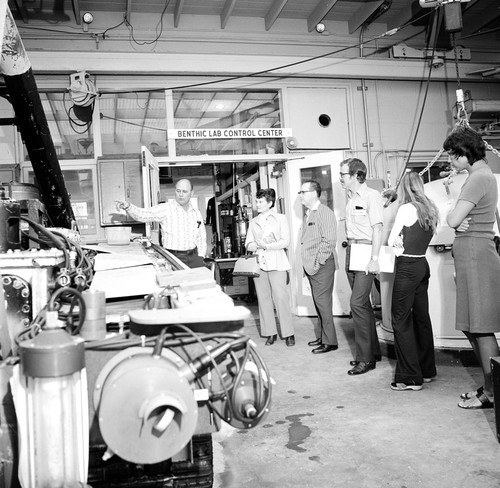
pixel 375 258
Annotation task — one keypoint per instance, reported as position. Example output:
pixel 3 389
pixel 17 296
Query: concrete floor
pixel 328 429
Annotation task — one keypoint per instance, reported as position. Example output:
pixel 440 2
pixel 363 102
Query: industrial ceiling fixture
pixel 87 19
pixel 320 28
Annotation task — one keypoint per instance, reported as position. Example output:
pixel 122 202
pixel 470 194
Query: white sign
pixel 229 133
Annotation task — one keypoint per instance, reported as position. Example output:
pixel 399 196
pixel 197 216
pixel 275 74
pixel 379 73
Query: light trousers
pixel 273 291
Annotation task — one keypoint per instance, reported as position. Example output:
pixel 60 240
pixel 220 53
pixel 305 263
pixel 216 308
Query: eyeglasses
pixel 344 174
pixel 301 192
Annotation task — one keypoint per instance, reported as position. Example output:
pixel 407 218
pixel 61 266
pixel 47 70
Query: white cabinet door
pixel 324 168
pixel 119 180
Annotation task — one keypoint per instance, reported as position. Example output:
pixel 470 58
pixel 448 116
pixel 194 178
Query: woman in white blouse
pixel 269 235
pixel 414 226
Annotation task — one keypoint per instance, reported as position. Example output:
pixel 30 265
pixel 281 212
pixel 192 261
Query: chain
pixel 462 119
pixel 429 165
pixel 496 152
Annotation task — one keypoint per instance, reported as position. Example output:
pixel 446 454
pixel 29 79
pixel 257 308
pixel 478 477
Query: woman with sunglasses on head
pixel 268 235
pixel 414 225
pixel 477 263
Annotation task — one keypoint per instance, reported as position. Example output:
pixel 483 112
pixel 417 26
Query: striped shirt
pixel 181 230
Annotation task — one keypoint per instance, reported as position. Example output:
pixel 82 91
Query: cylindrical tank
pixel 54 432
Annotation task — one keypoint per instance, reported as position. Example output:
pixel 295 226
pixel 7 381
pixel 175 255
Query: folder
pixel 362 253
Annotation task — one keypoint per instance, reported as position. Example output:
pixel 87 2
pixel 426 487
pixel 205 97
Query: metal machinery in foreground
pixel 125 396
pixel 132 403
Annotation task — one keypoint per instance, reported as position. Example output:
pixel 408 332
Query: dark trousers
pixel 413 337
pixel 365 331
pixel 322 294
pixel 190 259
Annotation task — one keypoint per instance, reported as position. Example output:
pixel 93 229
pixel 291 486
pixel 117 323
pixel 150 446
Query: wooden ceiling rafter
pixel 179 6
pixel 319 13
pixel 274 12
pixel 482 18
pixel 363 14
pixel 226 12
pixel 128 10
pixel 76 11
pixel 21 10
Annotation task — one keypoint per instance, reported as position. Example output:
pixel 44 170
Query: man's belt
pixel 358 241
pixel 188 252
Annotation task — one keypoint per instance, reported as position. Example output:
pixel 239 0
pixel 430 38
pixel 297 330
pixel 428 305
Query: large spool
pixel 146 408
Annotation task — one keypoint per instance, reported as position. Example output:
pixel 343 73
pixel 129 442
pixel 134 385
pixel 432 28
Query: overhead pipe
pixel 32 122
pixel 365 110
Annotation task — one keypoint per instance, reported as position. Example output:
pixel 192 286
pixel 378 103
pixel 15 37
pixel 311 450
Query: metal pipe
pixel 365 107
pixel 33 125
pixel 367 128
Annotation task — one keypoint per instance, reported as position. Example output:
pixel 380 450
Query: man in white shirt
pixel 364 221
pixel 181 225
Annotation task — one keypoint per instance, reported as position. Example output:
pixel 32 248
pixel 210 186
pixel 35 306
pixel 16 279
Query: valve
pixel 63 279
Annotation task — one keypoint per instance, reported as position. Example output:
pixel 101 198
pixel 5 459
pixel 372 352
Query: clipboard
pixel 362 253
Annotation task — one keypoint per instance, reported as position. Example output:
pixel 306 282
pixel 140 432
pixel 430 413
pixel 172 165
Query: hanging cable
pixel 270 71
pixel 392 193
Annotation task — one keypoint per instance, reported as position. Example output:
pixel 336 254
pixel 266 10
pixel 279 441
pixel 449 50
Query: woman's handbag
pixel 247 265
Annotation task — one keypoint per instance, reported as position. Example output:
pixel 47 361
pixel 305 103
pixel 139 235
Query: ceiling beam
pixel 318 14
pixel 76 11
pixel 483 16
pixel 362 14
pixel 128 11
pixel 226 12
pixel 406 16
pixel 21 10
pixel 179 5
pixel 274 12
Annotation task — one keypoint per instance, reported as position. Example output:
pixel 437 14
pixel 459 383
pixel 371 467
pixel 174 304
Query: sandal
pixel 478 401
pixel 471 394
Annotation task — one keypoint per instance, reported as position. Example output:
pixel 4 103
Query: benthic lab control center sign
pixel 236 133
